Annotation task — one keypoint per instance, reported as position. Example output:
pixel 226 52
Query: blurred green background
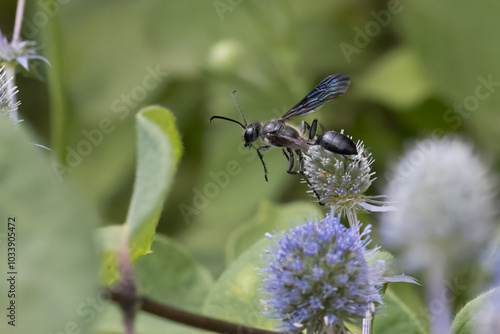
pixel 417 67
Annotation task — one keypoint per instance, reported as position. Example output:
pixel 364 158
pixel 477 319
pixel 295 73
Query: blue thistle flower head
pixel 319 277
pixel 341 181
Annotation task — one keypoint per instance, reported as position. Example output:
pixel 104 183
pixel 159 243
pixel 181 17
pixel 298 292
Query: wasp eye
pixel 250 135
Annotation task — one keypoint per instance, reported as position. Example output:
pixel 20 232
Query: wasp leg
pixel 301 171
pixel 304 127
pixel 262 160
pixel 263 148
pixel 286 155
pixel 312 130
pixel 301 161
pixel 291 161
pixel 315 193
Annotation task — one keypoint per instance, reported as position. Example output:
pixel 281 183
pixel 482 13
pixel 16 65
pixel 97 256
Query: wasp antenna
pixel 228 119
pixel 239 108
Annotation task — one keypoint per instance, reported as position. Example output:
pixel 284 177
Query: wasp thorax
pixel 251 133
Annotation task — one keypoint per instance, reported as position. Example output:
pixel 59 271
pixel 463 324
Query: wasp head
pixel 251 133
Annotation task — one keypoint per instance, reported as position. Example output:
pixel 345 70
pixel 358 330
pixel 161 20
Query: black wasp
pixel 278 133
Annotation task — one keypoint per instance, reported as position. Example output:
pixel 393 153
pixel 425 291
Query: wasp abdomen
pixel 337 143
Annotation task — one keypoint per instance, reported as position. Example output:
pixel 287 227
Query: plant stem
pixel 437 302
pixel 187 318
pixel 367 324
pixel 16 37
pixel 127 280
pixel 57 86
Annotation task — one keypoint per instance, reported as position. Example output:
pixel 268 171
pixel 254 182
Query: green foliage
pixel 398 316
pixel 189 56
pixel 466 321
pixel 452 40
pixel 235 296
pixel 404 84
pixel 270 217
pixel 168 275
pixel 427 57
pixel 55 261
pixel 61 112
pixel 159 150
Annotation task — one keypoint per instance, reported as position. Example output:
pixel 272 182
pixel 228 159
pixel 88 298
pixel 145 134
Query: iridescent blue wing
pixel 327 90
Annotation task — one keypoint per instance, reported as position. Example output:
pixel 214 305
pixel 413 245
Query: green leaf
pixel 172 276
pixel 397 80
pixel 159 150
pixel 396 316
pixel 109 239
pixel 269 218
pixel 465 321
pixel 55 257
pixel 235 297
pixel 168 275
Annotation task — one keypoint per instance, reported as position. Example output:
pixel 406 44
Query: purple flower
pixel 337 282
